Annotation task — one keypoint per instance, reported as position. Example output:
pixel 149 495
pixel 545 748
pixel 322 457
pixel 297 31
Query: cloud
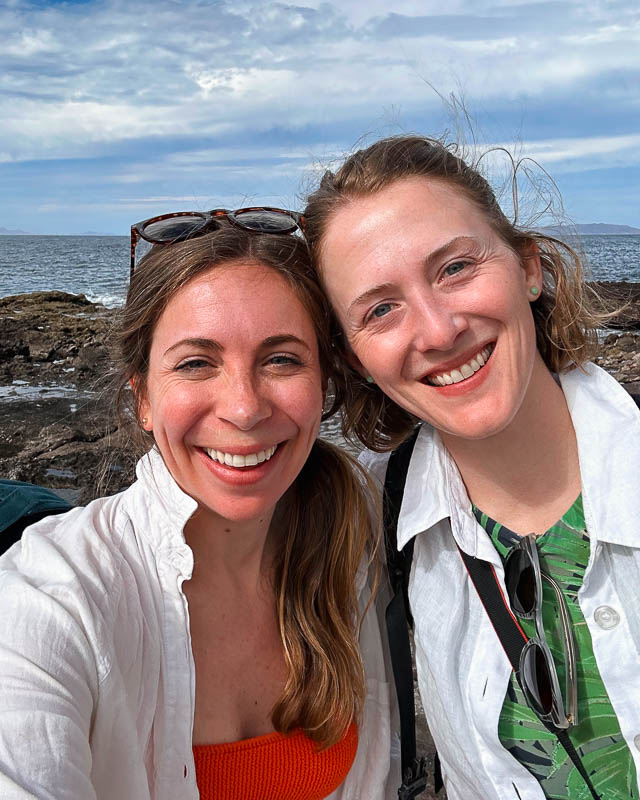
pixel 250 92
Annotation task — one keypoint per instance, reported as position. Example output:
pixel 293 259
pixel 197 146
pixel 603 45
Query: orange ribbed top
pixel 273 767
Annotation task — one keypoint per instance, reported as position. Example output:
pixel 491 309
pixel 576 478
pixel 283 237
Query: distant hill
pixel 9 232
pixel 592 229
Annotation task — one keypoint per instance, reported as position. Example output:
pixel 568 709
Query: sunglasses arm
pixel 570 656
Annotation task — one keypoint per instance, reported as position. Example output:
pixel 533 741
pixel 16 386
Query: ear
pixel 532 266
pixel 143 408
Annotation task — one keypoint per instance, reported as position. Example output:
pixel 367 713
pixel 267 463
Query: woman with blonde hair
pixel 520 502
pixel 208 631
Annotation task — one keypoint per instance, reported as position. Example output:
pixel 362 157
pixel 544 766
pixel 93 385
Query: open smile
pixel 241 461
pixel 463 371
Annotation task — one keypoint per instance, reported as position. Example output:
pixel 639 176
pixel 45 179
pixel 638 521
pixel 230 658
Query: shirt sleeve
pixel 48 683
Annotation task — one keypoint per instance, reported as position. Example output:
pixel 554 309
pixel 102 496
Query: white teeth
pixel 467 370
pixel 235 460
pixel 464 371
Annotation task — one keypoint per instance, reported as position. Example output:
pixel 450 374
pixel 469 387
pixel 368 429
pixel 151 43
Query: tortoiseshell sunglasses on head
pixel 181 225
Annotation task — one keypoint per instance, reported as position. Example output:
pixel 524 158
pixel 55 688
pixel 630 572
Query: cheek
pixel 303 403
pixel 176 410
pixel 381 354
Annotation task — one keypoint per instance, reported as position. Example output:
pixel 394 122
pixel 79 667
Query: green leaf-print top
pixel 564 554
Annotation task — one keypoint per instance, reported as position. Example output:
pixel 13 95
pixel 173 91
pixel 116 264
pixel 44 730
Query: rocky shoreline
pixel 56 421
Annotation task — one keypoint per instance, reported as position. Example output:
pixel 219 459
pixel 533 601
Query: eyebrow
pixel 284 338
pixel 212 344
pixel 203 344
pixel 436 255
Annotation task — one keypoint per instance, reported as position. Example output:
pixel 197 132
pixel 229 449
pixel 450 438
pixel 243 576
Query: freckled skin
pixel 437 284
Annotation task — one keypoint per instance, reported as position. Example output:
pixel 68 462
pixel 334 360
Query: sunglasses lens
pixel 264 221
pixel 520 580
pixel 173 229
pixel 536 678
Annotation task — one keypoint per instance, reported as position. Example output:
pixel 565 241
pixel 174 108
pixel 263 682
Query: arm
pixel 48 687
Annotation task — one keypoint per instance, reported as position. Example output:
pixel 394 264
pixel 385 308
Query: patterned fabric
pixel 564 554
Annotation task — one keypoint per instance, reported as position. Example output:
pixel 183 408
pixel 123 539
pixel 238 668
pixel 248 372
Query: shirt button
pixel 636 741
pixel 606 617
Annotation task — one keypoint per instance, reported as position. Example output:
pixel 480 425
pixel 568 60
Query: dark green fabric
pixel 564 554
pixel 21 504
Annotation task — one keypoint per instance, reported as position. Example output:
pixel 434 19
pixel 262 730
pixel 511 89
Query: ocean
pixel 98 266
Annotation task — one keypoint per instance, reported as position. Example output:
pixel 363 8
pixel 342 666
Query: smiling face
pixel 434 304
pixel 234 391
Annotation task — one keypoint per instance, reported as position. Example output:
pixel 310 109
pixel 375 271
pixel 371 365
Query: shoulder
pixel 61 584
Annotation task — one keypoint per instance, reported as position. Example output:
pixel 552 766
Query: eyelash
pixel 372 316
pixel 460 263
pixel 193 364
pixel 289 360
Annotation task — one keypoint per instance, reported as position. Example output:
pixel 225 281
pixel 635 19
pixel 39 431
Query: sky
pixel 112 111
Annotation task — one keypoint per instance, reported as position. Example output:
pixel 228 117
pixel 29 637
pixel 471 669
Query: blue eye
pixel 282 360
pixel 382 310
pixel 457 266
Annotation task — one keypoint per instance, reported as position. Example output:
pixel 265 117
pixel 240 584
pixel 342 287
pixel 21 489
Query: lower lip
pixel 242 476
pixel 468 384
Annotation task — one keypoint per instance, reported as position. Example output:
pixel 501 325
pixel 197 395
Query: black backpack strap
pixel 398 619
pixel 513 639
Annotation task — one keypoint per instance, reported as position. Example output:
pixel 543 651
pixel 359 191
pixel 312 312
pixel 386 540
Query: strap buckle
pixel 414 780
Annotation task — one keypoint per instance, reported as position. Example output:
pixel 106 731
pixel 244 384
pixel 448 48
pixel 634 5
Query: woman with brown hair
pixel 207 630
pixel 524 469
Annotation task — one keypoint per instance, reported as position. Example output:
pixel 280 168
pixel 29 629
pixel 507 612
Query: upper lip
pixel 458 361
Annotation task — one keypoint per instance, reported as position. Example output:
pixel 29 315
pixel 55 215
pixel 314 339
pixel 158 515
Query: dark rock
pixel 56 423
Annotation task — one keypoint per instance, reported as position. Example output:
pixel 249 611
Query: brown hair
pixel 326 513
pixel 566 314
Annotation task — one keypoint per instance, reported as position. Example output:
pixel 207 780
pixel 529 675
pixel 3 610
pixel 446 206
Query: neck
pixel 237 552
pixel 528 475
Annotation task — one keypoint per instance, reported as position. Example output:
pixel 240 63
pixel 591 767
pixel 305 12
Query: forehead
pixel 433 204
pixel 371 237
pixel 235 301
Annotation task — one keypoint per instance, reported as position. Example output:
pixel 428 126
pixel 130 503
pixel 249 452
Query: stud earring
pixel 144 420
pixel 534 290
pixel 370 379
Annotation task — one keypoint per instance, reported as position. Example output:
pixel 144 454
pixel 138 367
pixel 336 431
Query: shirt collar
pixel 434 492
pixel 168 509
pixel 607 425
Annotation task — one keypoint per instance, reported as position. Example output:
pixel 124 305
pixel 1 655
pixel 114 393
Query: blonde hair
pixel 327 512
pixel 566 313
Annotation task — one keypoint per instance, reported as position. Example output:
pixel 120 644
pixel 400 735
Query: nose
pixel 435 325
pixel 243 402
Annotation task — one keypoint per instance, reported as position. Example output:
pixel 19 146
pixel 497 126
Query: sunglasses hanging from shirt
pixel 530 658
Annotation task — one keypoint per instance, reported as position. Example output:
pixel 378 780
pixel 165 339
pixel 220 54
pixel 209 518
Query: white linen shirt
pixel 97 679
pixel 462 669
